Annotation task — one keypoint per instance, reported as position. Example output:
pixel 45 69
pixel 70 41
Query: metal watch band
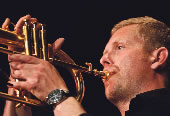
pixel 57 96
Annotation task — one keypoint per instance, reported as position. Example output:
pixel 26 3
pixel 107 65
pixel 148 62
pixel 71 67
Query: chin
pixel 108 91
pixel 108 95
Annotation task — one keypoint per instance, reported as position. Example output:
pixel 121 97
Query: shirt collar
pixel 149 97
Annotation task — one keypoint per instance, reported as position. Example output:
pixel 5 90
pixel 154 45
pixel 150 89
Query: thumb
pixel 6 23
pixel 57 45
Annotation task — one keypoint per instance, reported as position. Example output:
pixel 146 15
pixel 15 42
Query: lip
pixel 112 70
pixel 107 81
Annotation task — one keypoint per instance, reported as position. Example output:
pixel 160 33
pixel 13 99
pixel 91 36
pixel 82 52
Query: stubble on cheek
pixel 124 86
pixel 118 91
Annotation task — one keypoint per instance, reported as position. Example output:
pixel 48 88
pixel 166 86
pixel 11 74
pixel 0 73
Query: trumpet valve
pixel 89 65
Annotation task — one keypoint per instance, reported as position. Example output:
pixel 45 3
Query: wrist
pixel 56 97
pixel 68 107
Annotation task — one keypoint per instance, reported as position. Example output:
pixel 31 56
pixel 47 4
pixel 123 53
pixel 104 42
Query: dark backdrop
pixel 85 25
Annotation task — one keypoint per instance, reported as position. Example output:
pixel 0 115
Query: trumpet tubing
pixel 33 42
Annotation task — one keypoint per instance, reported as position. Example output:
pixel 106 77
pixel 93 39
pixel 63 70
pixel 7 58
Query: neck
pixel 157 82
pixel 123 107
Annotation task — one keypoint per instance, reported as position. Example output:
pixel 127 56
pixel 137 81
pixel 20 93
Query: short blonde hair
pixel 155 33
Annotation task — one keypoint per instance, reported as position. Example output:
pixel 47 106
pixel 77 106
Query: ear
pixel 159 57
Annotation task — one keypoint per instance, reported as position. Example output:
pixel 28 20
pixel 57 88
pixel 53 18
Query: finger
pixel 16 65
pixel 11 71
pixel 11 91
pixel 57 44
pixel 20 24
pixel 21 21
pixel 11 79
pixel 35 21
pixel 18 74
pixel 24 59
pixel 32 20
pixel 25 66
pixel 20 84
pixel 6 23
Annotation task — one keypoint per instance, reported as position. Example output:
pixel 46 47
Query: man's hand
pixel 19 24
pixel 17 62
pixel 38 76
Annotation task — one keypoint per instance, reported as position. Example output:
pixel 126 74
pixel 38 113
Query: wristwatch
pixel 56 96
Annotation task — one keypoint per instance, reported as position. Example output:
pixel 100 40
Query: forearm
pixel 69 107
pixel 11 110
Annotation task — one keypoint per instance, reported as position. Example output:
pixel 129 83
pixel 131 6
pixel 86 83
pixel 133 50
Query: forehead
pixel 128 34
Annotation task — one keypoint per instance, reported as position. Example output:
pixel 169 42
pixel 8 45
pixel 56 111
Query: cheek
pixel 135 67
pixel 131 65
pixel 127 64
pixel 111 84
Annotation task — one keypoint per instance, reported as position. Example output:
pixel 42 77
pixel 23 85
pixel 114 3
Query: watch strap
pixel 61 94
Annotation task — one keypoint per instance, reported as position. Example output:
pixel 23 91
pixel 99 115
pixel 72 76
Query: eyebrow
pixel 125 42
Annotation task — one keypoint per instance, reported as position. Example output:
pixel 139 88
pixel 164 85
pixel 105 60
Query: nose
pixel 104 60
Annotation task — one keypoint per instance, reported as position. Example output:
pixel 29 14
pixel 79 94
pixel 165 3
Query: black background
pixel 85 25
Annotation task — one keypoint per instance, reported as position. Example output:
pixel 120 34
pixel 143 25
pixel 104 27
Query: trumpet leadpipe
pixel 7 51
pixel 95 72
pixel 102 74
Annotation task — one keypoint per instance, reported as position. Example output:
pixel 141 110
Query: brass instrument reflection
pixel 33 42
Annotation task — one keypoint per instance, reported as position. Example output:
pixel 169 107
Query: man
pixel 136 57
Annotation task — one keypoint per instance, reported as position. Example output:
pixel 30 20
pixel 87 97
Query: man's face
pixel 124 57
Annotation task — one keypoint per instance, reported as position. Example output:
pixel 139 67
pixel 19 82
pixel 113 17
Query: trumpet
pixel 34 43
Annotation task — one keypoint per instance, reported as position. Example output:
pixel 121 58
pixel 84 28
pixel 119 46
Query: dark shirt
pixel 152 103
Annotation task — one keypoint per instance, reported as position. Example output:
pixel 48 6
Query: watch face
pixel 55 97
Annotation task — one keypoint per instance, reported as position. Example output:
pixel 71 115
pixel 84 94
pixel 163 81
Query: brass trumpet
pixel 34 43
